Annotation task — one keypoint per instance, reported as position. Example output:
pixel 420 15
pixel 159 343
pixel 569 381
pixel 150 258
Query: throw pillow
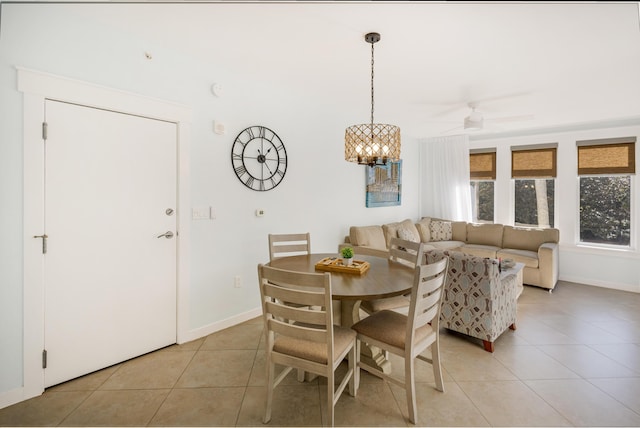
pixel 440 230
pixel 408 235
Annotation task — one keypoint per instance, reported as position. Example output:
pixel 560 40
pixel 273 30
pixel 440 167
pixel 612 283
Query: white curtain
pixel 444 176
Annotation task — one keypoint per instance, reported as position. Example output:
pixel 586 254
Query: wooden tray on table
pixel 334 264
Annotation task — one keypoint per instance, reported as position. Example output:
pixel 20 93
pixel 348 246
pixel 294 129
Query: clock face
pixel 259 158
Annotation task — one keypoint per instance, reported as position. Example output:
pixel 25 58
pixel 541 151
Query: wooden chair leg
pixel 301 375
pixel 437 368
pixel 330 400
pixel 270 386
pixel 410 386
pixel 355 372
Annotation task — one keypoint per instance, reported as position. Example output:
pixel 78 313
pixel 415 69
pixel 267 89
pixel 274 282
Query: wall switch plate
pixel 200 213
pixel 219 128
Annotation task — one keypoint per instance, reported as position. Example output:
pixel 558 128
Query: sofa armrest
pixel 548 263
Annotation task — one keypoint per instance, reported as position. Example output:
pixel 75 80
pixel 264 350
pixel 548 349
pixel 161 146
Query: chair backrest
pixel 406 252
pixel 283 294
pixel 426 298
pixel 289 244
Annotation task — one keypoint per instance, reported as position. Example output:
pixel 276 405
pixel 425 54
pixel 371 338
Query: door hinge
pixel 44 358
pixel 44 242
pixel 45 133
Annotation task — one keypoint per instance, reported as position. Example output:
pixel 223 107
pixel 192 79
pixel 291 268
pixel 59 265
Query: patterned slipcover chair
pixel 477 301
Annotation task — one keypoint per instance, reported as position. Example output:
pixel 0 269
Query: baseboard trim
pixel 604 284
pixel 9 398
pixel 220 325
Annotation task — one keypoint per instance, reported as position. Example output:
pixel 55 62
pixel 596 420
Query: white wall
pixel 321 193
pixel 580 263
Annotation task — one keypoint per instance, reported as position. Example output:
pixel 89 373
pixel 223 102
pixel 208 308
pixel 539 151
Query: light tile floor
pixel 574 360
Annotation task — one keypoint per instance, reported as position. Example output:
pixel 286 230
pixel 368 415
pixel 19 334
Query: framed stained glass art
pixel 384 185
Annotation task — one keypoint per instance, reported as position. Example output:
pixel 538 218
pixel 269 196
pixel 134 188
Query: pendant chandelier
pixel 372 143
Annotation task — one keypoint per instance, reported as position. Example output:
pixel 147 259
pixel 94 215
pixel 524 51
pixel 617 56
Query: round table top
pixel 384 278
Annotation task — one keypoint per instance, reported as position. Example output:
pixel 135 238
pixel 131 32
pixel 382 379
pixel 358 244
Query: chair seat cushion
pixel 377 305
pixel 389 327
pixel 315 351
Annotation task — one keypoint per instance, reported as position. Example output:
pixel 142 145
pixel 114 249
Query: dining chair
pixel 401 251
pixel 289 244
pixel 305 339
pixel 409 335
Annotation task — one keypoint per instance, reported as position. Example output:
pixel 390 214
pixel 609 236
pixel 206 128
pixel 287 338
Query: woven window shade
pixel 535 163
pixel 482 166
pixel 607 159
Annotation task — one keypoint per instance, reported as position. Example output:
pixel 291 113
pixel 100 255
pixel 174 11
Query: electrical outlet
pixel 237 281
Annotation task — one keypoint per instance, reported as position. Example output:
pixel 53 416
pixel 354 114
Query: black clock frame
pixel 263 169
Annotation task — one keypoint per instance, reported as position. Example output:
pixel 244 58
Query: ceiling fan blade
pixel 481 101
pixel 511 118
pixel 458 107
pixel 451 130
pixel 478 102
pixel 441 121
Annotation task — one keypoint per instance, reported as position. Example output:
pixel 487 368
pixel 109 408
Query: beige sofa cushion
pixel 528 238
pixel 479 250
pixel 459 229
pixel 392 230
pixel 445 245
pixel 485 234
pixel 529 258
pixel 367 236
pixel 423 229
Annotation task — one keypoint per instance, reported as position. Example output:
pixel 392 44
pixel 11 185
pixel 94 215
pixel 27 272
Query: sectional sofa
pixel 536 248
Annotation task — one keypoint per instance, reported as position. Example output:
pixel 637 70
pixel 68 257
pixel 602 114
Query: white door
pixel 110 281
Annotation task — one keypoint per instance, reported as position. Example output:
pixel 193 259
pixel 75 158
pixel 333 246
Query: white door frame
pixel 36 87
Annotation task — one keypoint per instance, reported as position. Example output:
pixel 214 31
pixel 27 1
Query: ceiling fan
pixel 475 121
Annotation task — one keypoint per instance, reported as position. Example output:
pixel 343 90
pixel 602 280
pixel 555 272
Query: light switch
pixel 200 213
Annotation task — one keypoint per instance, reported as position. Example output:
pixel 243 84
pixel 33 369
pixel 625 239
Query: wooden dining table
pixel 384 278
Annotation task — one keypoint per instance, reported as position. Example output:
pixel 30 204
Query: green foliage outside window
pixel 605 210
pixel 534 202
pixel 482 198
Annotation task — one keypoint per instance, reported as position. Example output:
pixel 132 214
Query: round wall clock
pixel 259 158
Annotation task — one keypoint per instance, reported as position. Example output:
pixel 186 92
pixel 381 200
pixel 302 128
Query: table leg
pixel 371 355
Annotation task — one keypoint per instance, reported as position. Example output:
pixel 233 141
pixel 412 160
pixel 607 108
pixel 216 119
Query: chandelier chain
pixel 372 45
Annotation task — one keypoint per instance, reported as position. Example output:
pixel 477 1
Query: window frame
pixel 633 222
pixel 550 173
pixel 476 220
pixel 478 176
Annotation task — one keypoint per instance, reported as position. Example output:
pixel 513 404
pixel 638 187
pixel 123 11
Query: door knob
pixel 167 235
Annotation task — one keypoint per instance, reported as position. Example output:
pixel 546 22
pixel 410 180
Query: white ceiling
pixel 561 62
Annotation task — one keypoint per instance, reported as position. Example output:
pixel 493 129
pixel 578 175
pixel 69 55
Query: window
pixel 605 168
pixel 533 170
pixel 483 175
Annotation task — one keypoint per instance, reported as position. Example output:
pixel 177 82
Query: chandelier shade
pixel 372 143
